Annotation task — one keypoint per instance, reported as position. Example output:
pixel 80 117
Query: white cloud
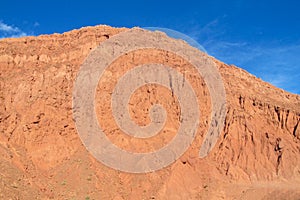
pixel 10 31
pixel 36 24
pixel 277 64
pixel 7 28
pixel 273 61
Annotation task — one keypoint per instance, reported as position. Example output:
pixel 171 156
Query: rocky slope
pixel 41 155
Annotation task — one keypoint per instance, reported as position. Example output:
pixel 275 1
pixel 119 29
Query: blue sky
pixel 263 37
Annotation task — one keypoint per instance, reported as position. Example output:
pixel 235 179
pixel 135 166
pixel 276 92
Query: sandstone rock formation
pixel 41 155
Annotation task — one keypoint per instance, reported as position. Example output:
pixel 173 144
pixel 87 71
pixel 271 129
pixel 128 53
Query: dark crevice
pixel 278 113
pixel 242 101
pixel 279 157
pixel 227 169
pixel 267 135
pixel 287 116
pixel 226 124
pixel 295 128
pixel 252 139
pixel 279 151
pixel 171 84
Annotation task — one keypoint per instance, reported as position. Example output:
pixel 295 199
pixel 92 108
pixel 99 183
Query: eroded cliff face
pixel 41 154
pixel 261 134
